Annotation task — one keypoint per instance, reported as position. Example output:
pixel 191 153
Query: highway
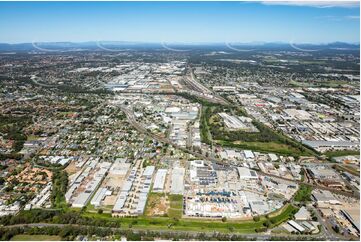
pixel 195 88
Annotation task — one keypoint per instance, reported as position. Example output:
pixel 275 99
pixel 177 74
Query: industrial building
pixel 159 180
pixel 245 173
pixel 303 214
pixel 324 198
pixel 99 196
pixel 201 173
pixel 86 183
pixel 296 226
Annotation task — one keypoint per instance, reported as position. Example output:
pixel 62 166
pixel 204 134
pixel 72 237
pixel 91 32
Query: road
pixel 202 89
pixel 35 80
pixel 329 233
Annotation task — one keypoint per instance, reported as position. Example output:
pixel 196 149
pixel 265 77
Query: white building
pixel 245 173
pixel 177 185
pixel 159 180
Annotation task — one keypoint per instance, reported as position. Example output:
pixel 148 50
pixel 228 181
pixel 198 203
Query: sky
pixel 190 22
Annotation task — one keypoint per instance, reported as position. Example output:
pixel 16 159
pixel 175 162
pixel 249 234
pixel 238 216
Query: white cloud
pixel 353 17
pixel 338 18
pixel 317 4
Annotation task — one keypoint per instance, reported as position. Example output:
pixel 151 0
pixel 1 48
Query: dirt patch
pixel 157 204
pixel 71 168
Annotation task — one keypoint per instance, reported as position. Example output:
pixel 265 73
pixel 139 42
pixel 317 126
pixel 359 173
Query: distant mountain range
pixel 124 45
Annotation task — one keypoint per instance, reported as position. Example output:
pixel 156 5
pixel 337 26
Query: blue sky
pixel 179 22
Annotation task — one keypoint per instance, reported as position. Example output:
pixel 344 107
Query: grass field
pixel 183 224
pixel 287 213
pixel 28 237
pixel 176 206
pixel 338 153
pixel 32 137
pixel 303 194
pixel 274 147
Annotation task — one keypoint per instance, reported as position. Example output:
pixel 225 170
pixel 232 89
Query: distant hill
pixel 123 45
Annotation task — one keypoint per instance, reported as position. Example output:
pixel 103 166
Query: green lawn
pixel 182 224
pixel 303 194
pixel 28 237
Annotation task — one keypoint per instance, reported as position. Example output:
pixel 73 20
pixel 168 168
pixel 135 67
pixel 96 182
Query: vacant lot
pixel 157 204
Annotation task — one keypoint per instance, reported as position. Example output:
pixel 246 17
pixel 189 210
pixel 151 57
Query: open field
pixel 176 206
pixel 28 237
pixel 273 147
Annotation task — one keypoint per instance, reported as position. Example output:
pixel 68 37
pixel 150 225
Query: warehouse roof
pixel 245 173
pixel 149 170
